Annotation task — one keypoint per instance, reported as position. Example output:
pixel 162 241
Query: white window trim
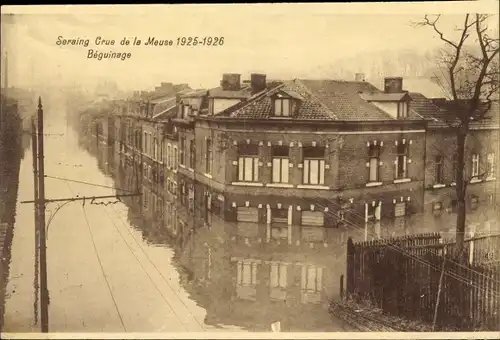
pixel 373 184
pixel 475 165
pixel 437 186
pixel 248 184
pixel 313 186
pixel 279 185
pixel 402 180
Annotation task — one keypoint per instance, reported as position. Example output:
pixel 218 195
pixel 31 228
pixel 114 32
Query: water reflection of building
pixel 251 274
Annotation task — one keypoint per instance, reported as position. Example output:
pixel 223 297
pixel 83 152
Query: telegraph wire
pixel 99 261
pixel 154 265
pixel 139 262
pixel 87 183
pixel 102 269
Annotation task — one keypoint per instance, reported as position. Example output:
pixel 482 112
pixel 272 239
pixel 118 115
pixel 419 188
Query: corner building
pixel 304 152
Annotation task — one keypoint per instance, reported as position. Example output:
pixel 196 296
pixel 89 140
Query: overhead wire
pixel 141 265
pixel 100 262
pixel 154 265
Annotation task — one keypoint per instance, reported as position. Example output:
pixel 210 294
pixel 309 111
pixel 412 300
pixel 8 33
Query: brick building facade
pixel 314 153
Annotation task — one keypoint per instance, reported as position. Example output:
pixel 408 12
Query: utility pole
pixel 44 292
pixel 34 148
pixel 40 225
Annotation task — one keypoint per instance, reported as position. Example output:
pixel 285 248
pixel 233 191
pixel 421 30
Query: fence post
pixel 342 287
pixel 350 266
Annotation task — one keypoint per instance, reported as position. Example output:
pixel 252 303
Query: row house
pixel 308 152
pixel 148 143
pixel 192 196
pixel 481 159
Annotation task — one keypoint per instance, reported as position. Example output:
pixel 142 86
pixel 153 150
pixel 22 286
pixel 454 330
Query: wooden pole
pixel 436 307
pixel 34 148
pixel 44 292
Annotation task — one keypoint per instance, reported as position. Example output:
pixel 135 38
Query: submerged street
pixel 113 267
pixel 106 275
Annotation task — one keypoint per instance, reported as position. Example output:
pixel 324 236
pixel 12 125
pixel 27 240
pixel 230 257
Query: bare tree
pixel 469 63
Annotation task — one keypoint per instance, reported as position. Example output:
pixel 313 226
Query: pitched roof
pixel 439 111
pixel 321 100
pixel 383 97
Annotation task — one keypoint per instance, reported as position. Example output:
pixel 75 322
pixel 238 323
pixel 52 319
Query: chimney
pixel 258 82
pixel 230 82
pixel 360 77
pixel 393 85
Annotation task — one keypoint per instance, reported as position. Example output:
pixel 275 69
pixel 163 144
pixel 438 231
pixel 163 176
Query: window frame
pixel 281 111
pixel 280 160
pixel 475 165
pixel 307 169
pixel 208 156
pixel 439 169
pixel 374 154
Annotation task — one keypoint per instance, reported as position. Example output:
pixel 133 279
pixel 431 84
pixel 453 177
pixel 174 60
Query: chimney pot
pixel 393 85
pixel 360 77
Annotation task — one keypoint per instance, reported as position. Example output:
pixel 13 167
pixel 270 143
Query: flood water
pixel 115 267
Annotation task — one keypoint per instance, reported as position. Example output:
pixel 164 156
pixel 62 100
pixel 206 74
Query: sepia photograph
pixel 244 170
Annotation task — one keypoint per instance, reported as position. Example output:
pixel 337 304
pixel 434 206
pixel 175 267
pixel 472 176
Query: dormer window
pixel 282 107
pixel 402 109
pixel 211 106
pixel 185 111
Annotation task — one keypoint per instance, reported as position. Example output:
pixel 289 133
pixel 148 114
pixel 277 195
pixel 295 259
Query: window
pixel 210 106
pixel 208 156
pixel 314 165
pixel 313 218
pixel 401 159
pixel 278 275
pixel 155 149
pixel 474 202
pixel 161 151
pixel 371 213
pixel 248 163
pixel 192 154
pixel 182 147
pixel 400 209
pixel 312 279
pixel 247 273
pixel 491 165
pixel 282 107
pixel 280 164
pixel 373 154
pixel 247 214
pixel 475 165
pixel 439 169
pixel 169 156
pixel 175 166
pixel 185 111
pixel 144 143
pixel 279 215
pixel 402 109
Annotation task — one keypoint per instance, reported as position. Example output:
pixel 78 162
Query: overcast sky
pixel 277 39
